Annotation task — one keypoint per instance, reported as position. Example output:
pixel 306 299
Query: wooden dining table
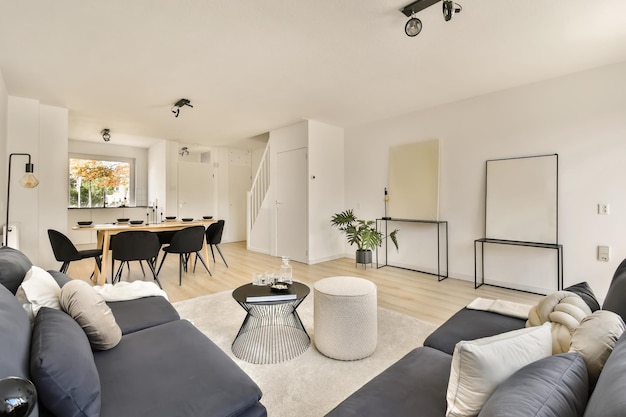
pixel 106 230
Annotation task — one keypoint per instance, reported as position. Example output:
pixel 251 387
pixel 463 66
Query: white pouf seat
pixel 345 317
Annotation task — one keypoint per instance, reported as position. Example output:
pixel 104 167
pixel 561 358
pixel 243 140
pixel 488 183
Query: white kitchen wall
pixel 582 117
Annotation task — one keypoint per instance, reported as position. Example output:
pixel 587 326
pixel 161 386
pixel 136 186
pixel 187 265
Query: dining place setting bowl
pixel 170 218
pixel 84 223
pixel 136 222
pixel 187 219
pixel 207 217
pixel 123 220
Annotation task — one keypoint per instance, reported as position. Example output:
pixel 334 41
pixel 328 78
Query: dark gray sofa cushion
pixel 14 336
pixel 467 324
pixel 62 366
pixel 585 292
pixel 414 386
pixel 13 268
pixel 172 370
pixel 139 314
pixel 556 386
pixel 60 277
pixel 609 396
pixel 615 300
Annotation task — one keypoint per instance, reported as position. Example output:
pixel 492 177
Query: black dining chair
pixel 185 242
pixel 65 251
pixel 213 237
pixel 135 245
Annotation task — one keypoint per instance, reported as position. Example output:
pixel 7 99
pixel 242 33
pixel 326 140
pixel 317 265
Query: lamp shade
pixel 29 180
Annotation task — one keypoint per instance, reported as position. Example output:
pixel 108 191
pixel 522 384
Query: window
pixel 100 181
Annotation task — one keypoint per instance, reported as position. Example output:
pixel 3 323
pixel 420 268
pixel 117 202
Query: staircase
pixel 258 191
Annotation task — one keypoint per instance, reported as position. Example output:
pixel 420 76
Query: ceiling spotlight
pixel 106 135
pixel 180 103
pixel 413 26
pixel 450 8
pixel 184 151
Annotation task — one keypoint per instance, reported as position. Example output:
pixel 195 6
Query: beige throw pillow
pixel 479 366
pixel 564 310
pixel 595 339
pixel 88 308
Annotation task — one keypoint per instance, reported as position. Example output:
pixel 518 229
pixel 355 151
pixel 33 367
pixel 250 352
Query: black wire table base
pixel 271 333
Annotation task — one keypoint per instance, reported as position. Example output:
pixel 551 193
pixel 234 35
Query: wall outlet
pixel 603 208
pixel 603 253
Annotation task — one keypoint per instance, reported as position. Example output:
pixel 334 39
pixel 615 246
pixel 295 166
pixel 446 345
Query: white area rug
pixel 310 385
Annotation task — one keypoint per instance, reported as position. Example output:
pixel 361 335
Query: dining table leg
pixel 104 241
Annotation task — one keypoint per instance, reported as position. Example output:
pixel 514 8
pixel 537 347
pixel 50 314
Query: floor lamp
pixel 27 181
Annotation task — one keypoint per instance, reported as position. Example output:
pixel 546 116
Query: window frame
pixel 109 158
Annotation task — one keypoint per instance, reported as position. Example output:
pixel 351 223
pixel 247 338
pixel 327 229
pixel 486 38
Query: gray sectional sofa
pixel 163 366
pixel 555 386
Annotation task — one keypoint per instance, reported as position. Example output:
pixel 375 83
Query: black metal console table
pixel 482 241
pixel 439 223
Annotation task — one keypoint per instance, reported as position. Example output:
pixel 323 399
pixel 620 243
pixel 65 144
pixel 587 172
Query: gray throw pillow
pixel 13 267
pixel 584 291
pixel 556 386
pixel 59 277
pixel 62 366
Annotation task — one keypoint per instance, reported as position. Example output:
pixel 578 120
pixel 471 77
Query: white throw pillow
pixel 479 366
pixel 39 289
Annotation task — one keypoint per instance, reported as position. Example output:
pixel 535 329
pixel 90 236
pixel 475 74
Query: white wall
pixel 41 131
pixel 53 176
pixel 580 117
pixel 157 176
pixel 4 109
pixel 326 190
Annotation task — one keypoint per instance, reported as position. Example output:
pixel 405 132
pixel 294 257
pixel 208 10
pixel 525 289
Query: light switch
pixel 603 253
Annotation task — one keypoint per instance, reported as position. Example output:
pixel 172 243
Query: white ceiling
pixel 251 66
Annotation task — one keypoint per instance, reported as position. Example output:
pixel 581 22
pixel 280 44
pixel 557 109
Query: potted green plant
pixel 361 233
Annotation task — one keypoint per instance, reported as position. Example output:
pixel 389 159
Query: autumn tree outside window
pixel 100 182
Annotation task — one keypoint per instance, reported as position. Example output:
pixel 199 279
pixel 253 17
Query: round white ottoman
pixel 345 319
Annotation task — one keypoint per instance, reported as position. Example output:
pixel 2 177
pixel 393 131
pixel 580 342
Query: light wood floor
pixel 411 293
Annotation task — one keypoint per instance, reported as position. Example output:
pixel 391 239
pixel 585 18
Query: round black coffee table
pixel 272 331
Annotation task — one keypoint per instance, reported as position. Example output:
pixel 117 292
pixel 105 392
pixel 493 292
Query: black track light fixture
pixel 413 26
pixel 450 8
pixel 180 103
pixel 106 135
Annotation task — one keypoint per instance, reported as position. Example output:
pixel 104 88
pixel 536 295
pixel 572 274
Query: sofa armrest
pixel 467 324
pixel 416 385
pixel 615 300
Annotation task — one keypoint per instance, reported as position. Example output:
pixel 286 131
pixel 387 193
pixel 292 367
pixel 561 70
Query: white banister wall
pixel 258 191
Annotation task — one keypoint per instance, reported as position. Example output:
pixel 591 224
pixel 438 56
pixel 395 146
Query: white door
pixel 291 204
pixel 195 190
